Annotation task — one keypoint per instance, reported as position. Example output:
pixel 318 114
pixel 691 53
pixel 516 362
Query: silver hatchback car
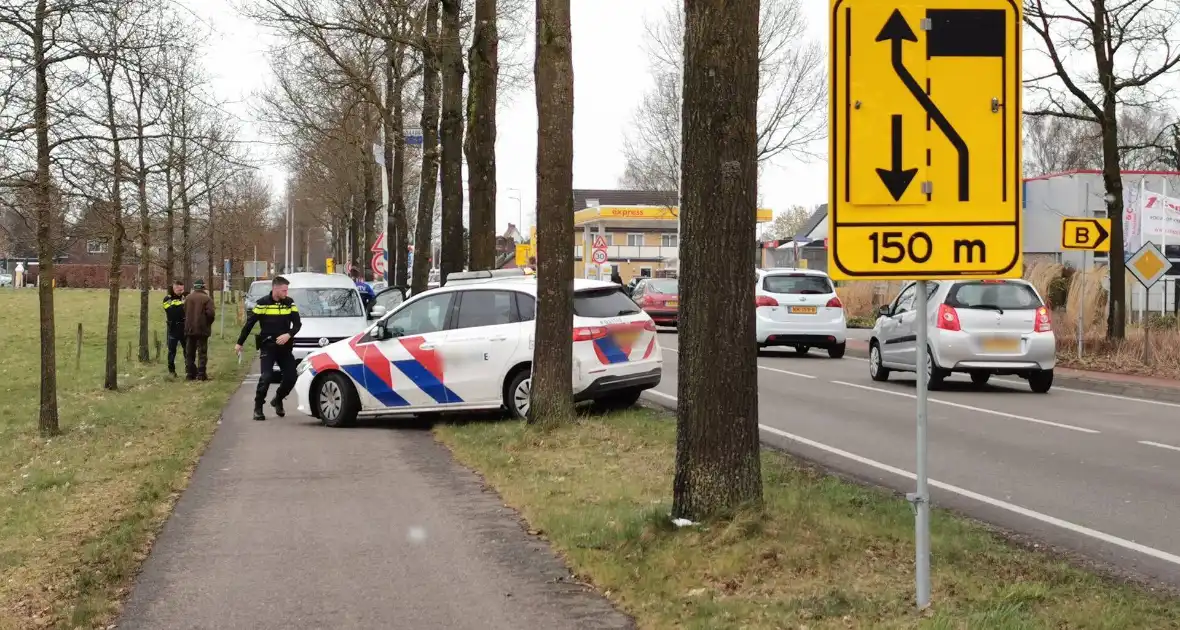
pixel 977 327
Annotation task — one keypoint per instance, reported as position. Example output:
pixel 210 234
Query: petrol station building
pixel 639 228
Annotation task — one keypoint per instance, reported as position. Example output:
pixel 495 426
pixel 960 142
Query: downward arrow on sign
pixel 896 179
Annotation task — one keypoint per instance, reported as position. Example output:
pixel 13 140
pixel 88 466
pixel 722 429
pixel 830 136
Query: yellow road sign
pixel 1148 265
pixel 1092 235
pixel 330 265
pixel 925 139
pixel 522 254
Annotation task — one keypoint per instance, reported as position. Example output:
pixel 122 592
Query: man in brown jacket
pixel 198 326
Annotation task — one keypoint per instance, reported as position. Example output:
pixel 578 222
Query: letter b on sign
pixel 1081 235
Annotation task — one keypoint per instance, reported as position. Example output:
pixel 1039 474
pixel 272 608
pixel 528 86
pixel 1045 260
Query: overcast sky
pixel 610 77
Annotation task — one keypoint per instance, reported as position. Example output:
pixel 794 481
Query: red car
pixel 659 298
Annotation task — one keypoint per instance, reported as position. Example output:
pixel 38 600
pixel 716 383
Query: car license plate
pixel 672 303
pixel 1000 344
pixel 804 310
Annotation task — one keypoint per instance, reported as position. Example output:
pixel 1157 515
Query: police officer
pixel 174 311
pixel 278 323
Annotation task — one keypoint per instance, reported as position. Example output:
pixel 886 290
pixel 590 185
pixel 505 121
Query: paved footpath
pixel 290 525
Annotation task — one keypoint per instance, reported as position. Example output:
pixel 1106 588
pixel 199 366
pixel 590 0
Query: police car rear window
pixel 608 302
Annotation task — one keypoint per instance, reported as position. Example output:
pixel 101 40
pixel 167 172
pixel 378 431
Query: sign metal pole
pixel 921 497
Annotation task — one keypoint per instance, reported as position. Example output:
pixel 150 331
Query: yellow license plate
pixel 672 304
pixel 1000 344
pixel 804 310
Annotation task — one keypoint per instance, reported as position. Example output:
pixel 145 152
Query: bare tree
pixel 1098 31
pixel 551 398
pixel 44 37
pixel 789 222
pixel 451 129
pixel 792 94
pixel 431 97
pixel 717 440
pixel 483 59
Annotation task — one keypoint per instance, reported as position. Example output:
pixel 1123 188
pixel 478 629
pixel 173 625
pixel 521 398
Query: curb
pixel 1089 384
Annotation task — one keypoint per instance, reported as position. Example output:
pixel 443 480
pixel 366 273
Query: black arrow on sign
pixel 896 179
pixel 898 31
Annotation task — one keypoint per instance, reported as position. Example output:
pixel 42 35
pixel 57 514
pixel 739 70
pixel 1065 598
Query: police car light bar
pixel 483 275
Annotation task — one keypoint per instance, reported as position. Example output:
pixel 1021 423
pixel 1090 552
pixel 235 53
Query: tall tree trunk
pixel 209 243
pixel 46 215
pixel 552 398
pixel 118 233
pixel 717 442
pixel 186 250
pixel 1112 177
pixel 452 139
pixel 481 135
pixel 423 247
pixel 170 219
pixel 395 165
pixel 373 202
pixel 363 237
pixel 145 227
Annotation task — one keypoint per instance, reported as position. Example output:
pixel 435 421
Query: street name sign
pixel 925 139
pixel 1091 235
pixel 1148 265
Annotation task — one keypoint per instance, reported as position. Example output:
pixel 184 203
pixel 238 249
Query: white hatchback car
pixel 799 308
pixel 469 346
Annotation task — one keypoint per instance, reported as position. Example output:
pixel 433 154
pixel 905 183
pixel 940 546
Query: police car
pixel 469 346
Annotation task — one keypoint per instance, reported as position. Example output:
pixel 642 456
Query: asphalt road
pixel 287 524
pixel 1088 473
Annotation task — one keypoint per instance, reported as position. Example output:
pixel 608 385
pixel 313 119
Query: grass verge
pixel 825 554
pixel 78 511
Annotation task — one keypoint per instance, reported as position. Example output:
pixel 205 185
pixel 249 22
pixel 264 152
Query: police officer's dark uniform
pixel 174 311
pixel 275 318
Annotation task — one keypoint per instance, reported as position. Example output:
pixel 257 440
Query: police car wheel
pixel 518 394
pixel 336 401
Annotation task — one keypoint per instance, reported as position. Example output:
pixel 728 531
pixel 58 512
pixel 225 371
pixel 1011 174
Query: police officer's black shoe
pixel 278 405
pixel 258 415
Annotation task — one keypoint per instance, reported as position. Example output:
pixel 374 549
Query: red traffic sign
pixel 598 257
pixel 600 242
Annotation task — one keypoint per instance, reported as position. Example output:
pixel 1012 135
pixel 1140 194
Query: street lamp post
pixel 519 212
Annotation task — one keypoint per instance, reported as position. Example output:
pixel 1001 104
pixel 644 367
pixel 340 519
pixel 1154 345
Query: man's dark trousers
pixel 175 342
pixel 196 356
pixel 275 355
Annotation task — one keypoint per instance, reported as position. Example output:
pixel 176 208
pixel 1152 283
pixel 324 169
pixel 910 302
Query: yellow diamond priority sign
pixel 925 139
pixel 1148 265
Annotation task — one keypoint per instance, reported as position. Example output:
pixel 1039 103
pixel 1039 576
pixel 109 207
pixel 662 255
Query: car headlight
pixel 302 367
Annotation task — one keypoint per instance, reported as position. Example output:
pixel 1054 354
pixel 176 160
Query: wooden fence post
pixel 156 338
pixel 78 357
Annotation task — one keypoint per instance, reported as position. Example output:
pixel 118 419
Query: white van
pixel 330 309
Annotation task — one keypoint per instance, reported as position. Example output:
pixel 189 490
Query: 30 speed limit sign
pixel 598 257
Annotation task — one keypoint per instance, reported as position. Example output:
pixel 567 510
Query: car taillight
pixel 948 318
pixel 835 303
pixel 765 300
pixel 589 333
pixel 646 301
pixel 1044 320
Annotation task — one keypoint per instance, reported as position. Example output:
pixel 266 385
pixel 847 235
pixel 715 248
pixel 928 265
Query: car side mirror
pixel 884 311
pixel 377 312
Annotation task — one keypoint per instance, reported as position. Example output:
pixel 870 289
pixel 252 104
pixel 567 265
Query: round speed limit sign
pixel 598 257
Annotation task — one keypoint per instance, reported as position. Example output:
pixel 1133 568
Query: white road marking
pixel 1157 444
pixel 970 408
pixel 762 367
pixel 1099 394
pixel 975 496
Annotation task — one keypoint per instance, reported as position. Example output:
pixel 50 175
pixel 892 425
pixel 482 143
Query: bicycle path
pixel 290 525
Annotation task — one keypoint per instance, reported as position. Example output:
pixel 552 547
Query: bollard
pixel 78 358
